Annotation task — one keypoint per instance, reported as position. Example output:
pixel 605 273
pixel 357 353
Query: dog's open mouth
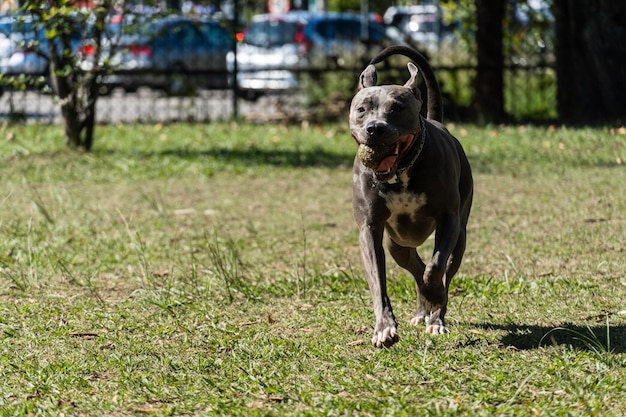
pixel 384 159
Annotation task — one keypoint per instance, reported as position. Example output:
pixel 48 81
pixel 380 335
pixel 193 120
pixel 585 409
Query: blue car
pixel 174 54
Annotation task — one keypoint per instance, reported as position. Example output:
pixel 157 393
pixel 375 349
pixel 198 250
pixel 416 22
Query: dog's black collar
pixel 414 151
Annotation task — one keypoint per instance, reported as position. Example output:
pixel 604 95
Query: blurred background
pixel 498 61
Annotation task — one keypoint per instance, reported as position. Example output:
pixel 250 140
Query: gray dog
pixel 411 177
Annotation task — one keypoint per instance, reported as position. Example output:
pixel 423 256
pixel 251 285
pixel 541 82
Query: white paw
pixel 437 329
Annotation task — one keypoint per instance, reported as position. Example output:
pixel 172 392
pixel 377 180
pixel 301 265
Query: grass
pixel 214 270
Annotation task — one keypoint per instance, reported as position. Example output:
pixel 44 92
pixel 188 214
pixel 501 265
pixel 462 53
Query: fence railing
pixel 529 93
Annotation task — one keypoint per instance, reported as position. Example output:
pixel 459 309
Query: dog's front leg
pixel 434 289
pixel 373 256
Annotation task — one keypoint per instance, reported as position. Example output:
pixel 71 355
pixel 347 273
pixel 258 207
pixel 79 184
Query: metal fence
pixel 530 94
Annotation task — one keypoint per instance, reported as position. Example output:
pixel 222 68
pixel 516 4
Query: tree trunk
pixel 62 86
pixel 77 90
pixel 78 108
pixel 591 60
pixel 489 83
pixel 89 122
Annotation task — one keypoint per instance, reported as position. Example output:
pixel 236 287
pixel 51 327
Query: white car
pixel 269 49
pixel 274 49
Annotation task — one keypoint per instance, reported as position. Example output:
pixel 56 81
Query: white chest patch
pixel 406 206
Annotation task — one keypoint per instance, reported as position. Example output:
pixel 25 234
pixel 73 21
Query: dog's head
pixel 384 121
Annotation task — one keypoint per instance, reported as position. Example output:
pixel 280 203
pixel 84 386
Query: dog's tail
pixel 435 102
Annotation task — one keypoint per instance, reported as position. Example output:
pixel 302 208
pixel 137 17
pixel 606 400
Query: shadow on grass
pixel 252 156
pixel 493 163
pixel 525 337
pixel 324 158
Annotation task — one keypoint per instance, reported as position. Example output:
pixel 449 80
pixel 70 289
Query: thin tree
pixel 64 30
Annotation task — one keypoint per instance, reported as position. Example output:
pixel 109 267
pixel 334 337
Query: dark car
pixel 173 54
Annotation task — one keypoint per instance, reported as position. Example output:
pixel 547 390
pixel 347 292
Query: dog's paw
pixel 385 337
pixel 434 325
pixel 437 329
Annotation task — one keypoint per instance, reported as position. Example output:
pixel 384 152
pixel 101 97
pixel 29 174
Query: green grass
pixel 214 270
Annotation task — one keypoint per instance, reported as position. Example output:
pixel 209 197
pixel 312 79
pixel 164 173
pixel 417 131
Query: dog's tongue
pixel 387 163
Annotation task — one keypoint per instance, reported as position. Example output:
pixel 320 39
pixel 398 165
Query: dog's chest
pixel 405 203
pixel 407 224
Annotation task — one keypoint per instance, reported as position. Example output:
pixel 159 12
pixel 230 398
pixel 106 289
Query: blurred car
pixel 24 49
pixel 172 53
pixel 269 48
pixel 16 33
pixel 273 49
pixel 423 23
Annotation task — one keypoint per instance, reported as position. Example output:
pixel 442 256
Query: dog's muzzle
pixel 387 160
pixel 384 159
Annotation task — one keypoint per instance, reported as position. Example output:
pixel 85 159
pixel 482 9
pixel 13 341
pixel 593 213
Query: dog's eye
pixel 396 108
pixel 361 109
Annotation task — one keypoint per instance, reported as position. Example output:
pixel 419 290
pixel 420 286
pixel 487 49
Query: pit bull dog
pixel 410 178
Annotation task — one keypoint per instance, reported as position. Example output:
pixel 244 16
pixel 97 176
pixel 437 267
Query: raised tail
pixel 435 102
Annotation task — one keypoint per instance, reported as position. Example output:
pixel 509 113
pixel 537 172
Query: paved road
pixel 150 106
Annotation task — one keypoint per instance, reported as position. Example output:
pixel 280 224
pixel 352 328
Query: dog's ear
pixel 368 77
pixel 412 83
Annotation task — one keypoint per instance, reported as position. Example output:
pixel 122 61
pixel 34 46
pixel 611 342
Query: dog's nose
pixel 374 129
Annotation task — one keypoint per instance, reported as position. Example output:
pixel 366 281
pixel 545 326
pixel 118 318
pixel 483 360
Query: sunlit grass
pixel 214 270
